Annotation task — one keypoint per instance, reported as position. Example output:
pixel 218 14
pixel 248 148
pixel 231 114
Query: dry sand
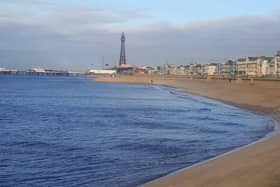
pixel 257 165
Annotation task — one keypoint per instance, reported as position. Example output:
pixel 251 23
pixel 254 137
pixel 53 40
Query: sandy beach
pixel 257 165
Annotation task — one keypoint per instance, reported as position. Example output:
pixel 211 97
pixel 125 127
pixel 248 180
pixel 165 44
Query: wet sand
pixel 257 165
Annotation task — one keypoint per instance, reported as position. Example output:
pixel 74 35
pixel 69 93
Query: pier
pixel 40 72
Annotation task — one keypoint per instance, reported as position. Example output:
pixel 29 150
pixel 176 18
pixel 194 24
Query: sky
pixel 78 34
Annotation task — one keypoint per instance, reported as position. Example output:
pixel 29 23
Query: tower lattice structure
pixel 122 55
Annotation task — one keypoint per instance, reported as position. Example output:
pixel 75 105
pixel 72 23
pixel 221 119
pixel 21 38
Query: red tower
pixel 122 55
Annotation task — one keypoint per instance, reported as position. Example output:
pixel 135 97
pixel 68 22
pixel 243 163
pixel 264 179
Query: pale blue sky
pixel 187 10
pixel 182 11
pixel 72 34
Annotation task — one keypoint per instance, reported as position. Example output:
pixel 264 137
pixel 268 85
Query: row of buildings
pixel 251 66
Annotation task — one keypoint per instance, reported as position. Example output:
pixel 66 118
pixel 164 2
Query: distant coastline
pixel 255 165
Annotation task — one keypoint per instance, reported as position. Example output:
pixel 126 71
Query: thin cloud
pixel 75 37
pixel 66 19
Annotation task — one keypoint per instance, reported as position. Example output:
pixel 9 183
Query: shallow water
pixel 70 131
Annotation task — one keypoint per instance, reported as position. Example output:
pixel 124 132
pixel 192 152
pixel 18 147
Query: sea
pixel 73 131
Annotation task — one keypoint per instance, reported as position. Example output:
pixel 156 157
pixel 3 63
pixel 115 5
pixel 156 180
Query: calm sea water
pixel 70 131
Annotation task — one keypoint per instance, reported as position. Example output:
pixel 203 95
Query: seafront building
pixel 227 68
pixel 212 69
pixel 241 66
pixel 197 70
pixel 254 66
pixel 267 67
pixel 102 72
pixel 260 66
pixel 277 64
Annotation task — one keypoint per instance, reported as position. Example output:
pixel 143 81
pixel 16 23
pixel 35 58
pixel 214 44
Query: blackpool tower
pixel 122 55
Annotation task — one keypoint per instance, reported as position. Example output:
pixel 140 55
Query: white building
pixel 241 66
pixel 102 72
pixel 181 70
pixel 277 64
pixel 169 69
pixel 39 70
pixel 254 66
pixel 212 69
pixel 265 68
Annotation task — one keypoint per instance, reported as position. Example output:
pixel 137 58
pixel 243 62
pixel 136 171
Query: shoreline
pixel 271 134
pixel 210 172
pixel 275 132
